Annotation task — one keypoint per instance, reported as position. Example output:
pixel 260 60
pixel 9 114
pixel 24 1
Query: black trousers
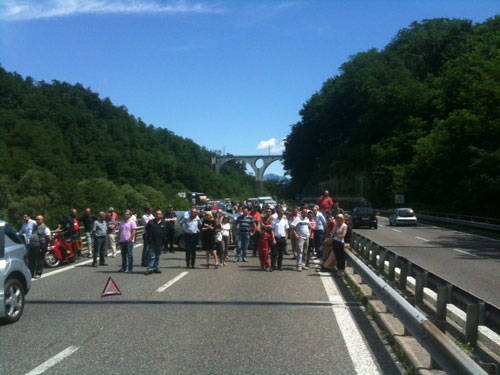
pixel 191 243
pixel 99 249
pixel 255 242
pixel 338 248
pixel 36 258
pixel 145 251
pixel 277 252
pixel 169 240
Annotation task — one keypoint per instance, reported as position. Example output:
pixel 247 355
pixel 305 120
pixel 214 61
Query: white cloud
pixel 37 9
pixel 271 145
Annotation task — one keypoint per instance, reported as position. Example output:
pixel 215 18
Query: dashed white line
pixel 396 230
pixel 361 356
pixel 422 239
pixel 53 361
pixel 464 252
pixel 171 282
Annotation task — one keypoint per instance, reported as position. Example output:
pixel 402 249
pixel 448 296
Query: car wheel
pixel 51 259
pixel 375 226
pixel 13 300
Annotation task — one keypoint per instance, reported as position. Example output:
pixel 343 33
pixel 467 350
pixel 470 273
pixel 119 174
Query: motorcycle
pixel 59 246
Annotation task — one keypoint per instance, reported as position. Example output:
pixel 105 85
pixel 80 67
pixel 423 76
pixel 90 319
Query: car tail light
pixel 375 217
pixel 397 214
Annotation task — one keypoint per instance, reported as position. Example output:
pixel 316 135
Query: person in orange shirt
pixel 325 202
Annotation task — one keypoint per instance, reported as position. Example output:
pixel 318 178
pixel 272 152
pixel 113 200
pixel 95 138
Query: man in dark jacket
pixel 155 230
pixel 88 222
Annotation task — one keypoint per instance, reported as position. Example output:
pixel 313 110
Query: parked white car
pixel 15 277
pixel 403 216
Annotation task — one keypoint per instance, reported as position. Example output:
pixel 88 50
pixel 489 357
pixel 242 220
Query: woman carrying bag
pixel 339 232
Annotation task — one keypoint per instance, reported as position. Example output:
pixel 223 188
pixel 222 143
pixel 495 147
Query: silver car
pixel 15 277
pixel 403 216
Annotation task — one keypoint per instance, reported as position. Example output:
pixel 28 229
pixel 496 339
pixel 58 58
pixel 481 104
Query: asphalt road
pixel 469 261
pixel 232 320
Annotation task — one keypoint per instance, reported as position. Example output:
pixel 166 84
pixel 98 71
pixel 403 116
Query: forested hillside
pixel 61 146
pixel 420 117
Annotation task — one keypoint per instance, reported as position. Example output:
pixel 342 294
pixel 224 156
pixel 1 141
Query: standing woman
pixel 339 233
pixel 227 238
pixel 208 237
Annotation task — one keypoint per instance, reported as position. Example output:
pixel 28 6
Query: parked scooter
pixel 60 250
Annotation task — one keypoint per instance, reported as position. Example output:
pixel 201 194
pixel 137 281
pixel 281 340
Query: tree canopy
pixel 62 146
pixel 420 117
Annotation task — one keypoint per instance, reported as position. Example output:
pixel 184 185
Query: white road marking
pixel 464 252
pixel 171 282
pixel 361 356
pixel 53 361
pixel 422 239
pixel 396 230
pixel 67 268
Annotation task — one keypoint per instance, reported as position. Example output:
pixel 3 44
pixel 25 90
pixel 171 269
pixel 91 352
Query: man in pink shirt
pixel 127 231
pixel 325 202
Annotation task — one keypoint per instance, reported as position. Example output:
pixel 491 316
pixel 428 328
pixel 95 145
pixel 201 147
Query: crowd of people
pixel 319 230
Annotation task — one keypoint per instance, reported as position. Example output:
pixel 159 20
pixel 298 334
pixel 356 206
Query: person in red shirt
pixel 255 237
pixel 265 240
pixel 325 202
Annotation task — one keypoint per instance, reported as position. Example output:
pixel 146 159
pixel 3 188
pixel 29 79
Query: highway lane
pixel 469 261
pixel 236 319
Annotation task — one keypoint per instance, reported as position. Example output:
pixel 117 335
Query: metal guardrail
pixel 444 351
pixel 455 220
pixel 383 262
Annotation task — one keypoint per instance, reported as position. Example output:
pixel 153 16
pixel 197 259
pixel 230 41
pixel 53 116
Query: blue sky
pixel 231 75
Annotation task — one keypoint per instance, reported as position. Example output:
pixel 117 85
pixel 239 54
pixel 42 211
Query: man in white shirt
pixel 301 228
pixel 148 215
pixel 280 230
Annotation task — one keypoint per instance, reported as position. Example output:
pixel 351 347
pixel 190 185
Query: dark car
pixel 364 217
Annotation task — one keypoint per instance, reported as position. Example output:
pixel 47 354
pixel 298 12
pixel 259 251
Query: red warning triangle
pixel 110 289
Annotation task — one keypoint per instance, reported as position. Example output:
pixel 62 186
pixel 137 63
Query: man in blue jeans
pixel 156 233
pixel 126 234
pixel 245 225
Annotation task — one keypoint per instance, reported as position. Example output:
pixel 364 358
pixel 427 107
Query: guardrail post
pixel 375 252
pixel 403 275
pixel 419 287
pixel 442 301
pixel 392 265
pixel 482 312
pixel 471 323
pixel 381 261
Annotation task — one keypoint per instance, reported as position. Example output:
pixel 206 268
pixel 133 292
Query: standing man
pixel 99 232
pixel 111 234
pixel 191 225
pixel 39 242
pixel 319 231
pixel 146 218
pixel 88 222
pixel 280 230
pixel 27 228
pixel 113 214
pixel 126 234
pixel 302 230
pixel 170 219
pixel 325 202
pixel 245 225
pixel 156 230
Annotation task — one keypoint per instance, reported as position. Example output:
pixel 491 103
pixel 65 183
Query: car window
pixel 406 213
pixel 363 210
pixel 9 242
pixel 11 235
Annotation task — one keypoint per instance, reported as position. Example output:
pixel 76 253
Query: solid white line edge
pixel 361 356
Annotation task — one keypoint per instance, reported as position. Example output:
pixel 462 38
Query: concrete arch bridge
pixel 251 160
